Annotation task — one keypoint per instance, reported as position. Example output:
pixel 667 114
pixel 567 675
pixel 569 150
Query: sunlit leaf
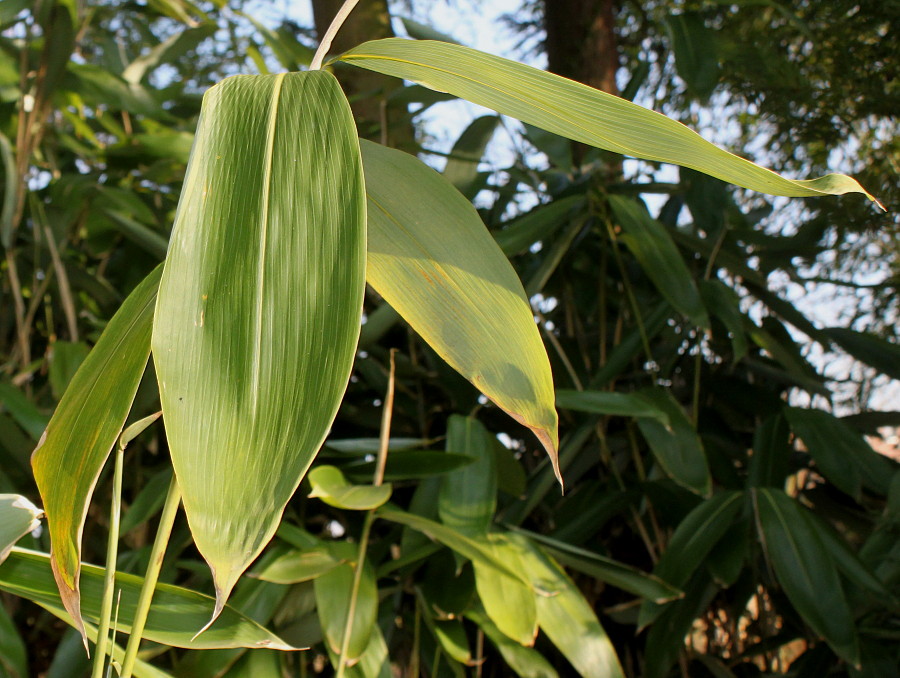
pixel 566 617
pixel 330 485
pixel 259 305
pixel 509 602
pixel 436 264
pixel 175 614
pixel 297 566
pixel 575 111
pixel 525 661
pixel 87 421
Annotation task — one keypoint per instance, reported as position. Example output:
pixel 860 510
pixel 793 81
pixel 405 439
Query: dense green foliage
pixel 709 525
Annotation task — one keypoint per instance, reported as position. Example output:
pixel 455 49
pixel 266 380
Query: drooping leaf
pixel 810 580
pixel 437 265
pixel 576 111
pixel 651 245
pixel 509 602
pixel 842 455
pixel 626 577
pixel 525 661
pixel 333 593
pixel 677 448
pixel 298 566
pixel 175 613
pixel 330 485
pixel 18 517
pixel 694 538
pixel 566 617
pixel 468 496
pixel 259 307
pixel 84 427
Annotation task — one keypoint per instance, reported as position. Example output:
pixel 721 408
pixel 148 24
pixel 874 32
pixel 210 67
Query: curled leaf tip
pixel 70 595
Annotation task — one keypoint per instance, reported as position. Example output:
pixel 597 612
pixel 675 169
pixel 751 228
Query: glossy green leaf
pixel 298 566
pixel 612 403
pixel 509 602
pixel 842 455
pixel 267 257
pixel 566 617
pixel 525 661
pixel 468 496
pixel 333 591
pixel 175 614
pixel 575 111
pixel 84 428
pixel 810 580
pixel 653 247
pixel 436 264
pixel 18 517
pixel 677 448
pixel 694 538
pixel 330 485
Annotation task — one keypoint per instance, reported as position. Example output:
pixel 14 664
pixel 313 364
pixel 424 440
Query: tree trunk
pixel 581 45
pixel 581 41
pixel 368 91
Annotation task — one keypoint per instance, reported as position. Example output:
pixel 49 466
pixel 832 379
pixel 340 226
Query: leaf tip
pixel 70 594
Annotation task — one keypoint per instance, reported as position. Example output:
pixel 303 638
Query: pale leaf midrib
pixel 263 238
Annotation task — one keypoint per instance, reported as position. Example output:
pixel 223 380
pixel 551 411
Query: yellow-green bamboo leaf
pixel 84 428
pixel 576 111
pixel 433 260
pixel 259 305
pixel 175 612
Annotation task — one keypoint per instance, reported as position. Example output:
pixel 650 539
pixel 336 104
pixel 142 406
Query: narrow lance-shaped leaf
pixel 576 111
pixel 259 305
pixel 175 612
pixel 806 571
pixel 435 262
pixel 87 421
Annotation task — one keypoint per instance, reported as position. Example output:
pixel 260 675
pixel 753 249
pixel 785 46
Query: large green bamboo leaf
pixel 510 603
pixel 259 305
pixel 809 576
pixel 433 260
pixel 575 111
pixel 175 614
pixel 84 428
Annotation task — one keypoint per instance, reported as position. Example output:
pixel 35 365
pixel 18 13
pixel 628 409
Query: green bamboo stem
pixel 164 531
pixel 383 445
pixel 109 581
pixel 335 26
